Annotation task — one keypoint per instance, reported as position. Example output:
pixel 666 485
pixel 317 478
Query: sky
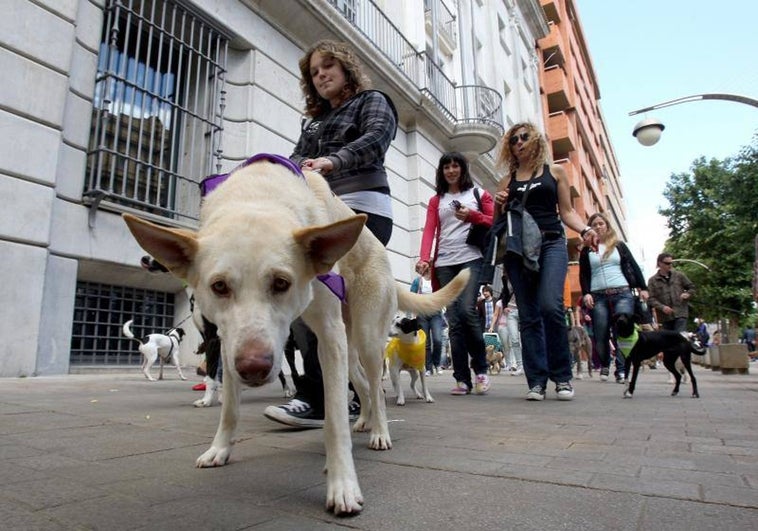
pixel 646 52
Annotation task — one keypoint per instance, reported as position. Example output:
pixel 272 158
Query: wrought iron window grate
pixel 100 310
pixel 158 108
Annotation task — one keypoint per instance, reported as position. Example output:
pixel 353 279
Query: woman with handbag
pixel 607 276
pixel 453 212
pixel 541 190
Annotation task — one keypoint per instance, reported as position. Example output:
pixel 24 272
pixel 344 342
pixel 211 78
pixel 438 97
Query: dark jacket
pixel 668 292
pixel 629 268
pixel 354 137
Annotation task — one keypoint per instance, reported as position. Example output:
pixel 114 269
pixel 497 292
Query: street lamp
pixel 648 131
pixel 701 264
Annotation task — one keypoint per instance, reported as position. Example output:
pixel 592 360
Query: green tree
pixel 713 218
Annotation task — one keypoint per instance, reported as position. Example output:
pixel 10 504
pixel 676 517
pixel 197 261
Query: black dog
pixel 674 345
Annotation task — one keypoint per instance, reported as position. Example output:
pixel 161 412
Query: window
pixel 100 310
pixel 157 109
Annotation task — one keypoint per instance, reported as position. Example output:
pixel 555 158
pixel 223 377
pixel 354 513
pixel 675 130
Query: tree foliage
pixel 713 218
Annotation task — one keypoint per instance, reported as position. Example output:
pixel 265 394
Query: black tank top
pixel 542 202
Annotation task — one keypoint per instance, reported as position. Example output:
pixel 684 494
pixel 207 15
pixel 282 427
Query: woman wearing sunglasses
pixel 539 295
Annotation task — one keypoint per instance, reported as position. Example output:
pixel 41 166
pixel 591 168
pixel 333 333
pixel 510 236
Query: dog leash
pixel 177 324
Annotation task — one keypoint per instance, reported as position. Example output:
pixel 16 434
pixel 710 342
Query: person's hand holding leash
pixel 322 164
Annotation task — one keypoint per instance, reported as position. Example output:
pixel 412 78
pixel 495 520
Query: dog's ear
pixel 174 248
pixel 326 244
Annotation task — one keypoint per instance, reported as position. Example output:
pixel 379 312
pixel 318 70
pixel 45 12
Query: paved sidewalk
pixel 114 451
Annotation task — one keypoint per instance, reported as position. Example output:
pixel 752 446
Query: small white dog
pixel 158 346
pixel 407 351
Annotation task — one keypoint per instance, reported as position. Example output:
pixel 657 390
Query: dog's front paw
pixel 380 441
pixel 344 497
pixel 400 401
pixel 429 399
pixel 627 394
pixel 214 457
pixel 205 402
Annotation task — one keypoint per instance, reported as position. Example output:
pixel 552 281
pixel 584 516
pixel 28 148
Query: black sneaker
pixel 296 413
pixel 353 411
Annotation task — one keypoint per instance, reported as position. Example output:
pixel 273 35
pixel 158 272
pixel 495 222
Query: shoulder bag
pixel 478 234
pixel 523 236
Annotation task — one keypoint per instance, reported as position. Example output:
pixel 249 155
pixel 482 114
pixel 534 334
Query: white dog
pixel 266 233
pixel 163 347
pixel 407 351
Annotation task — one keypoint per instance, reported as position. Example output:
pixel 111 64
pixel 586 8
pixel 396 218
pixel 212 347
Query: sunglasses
pixel 667 263
pixel 514 139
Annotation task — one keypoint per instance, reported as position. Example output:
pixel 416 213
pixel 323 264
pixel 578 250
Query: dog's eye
pixel 220 288
pixel 280 285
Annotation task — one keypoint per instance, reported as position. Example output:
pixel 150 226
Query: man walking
pixel 670 293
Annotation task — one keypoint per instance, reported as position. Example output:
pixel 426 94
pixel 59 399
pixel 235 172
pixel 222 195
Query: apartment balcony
pixel 552 48
pixel 551 11
pixel 562 133
pixel 557 89
pixel 447 35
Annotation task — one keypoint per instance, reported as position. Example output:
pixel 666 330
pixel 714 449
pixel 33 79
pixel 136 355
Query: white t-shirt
pixel 453 248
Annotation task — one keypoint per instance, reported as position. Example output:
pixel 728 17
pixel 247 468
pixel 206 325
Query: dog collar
pixel 212 182
pixel 331 280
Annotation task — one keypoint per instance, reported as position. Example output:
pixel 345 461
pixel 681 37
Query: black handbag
pixel 478 235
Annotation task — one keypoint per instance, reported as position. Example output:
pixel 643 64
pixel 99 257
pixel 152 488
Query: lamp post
pixel 701 264
pixel 648 131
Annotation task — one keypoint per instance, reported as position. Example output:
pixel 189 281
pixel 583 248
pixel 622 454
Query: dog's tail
pixel 432 303
pixel 127 329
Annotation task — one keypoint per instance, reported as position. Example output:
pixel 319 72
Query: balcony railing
pixel 445 21
pixel 468 104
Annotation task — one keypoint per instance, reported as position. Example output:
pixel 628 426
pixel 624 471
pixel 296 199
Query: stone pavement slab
pixel 114 451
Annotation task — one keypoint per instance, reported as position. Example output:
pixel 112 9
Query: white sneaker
pixel 518 372
pixel 565 391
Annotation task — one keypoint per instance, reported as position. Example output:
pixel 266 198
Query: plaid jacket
pixel 355 138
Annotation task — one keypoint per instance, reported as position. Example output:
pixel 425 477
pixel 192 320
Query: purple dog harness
pixel 331 280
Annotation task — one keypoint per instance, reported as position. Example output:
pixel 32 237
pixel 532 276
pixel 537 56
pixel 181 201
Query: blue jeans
pixel 607 307
pixel 465 329
pixel 432 327
pixel 539 297
pixel 678 324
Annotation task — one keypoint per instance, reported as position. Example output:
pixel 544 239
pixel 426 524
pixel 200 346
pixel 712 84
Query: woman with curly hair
pixel 347 131
pixel 539 295
pixel 607 276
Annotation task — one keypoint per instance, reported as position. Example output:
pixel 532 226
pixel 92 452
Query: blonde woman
pixel 607 276
pixel 539 295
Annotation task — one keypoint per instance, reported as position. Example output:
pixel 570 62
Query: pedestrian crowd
pixel 518 230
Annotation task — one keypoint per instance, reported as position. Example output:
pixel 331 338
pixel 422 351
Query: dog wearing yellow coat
pixel 406 350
